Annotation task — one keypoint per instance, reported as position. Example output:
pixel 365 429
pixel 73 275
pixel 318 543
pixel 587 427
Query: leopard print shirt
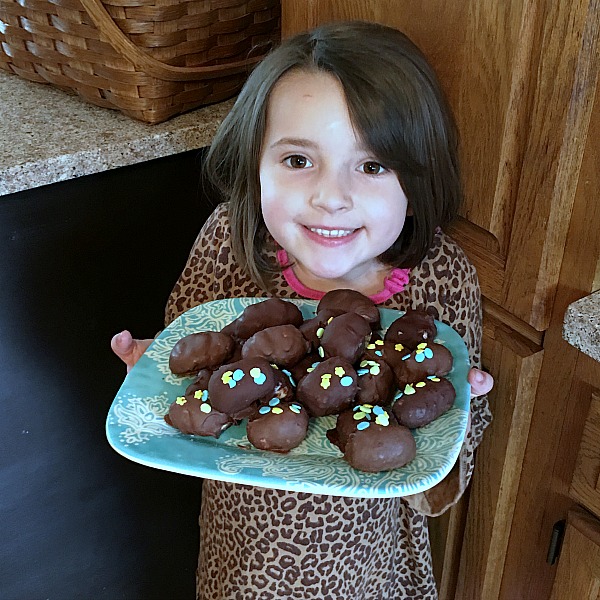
pixel 263 544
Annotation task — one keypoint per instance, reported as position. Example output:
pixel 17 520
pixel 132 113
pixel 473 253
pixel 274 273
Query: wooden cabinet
pixel 522 78
pixel 585 485
pixel 578 574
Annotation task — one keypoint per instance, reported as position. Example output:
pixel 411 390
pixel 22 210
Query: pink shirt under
pixel 393 283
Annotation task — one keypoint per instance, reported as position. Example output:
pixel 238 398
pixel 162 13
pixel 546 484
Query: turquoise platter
pixel 136 429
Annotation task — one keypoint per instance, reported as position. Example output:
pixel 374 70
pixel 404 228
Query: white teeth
pixel 332 232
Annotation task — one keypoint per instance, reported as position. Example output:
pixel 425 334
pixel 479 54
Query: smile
pixel 332 233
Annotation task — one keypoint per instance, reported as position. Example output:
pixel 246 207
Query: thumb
pixel 123 345
pixel 481 382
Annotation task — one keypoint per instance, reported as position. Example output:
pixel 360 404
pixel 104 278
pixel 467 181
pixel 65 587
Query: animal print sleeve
pixel 463 312
pixel 211 271
pixel 196 282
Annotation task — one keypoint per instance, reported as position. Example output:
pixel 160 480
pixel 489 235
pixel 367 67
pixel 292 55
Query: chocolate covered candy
pixel 391 352
pixel 411 329
pixel 426 360
pixel 351 301
pixel 259 316
pixel 235 387
pixel 193 414
pixel 206 349
pixel 284 389
pixel 329 388
pixel 372 440
pixel 376 382
pixel 418 404
pixel 200 382
pixel 283 345
pixel 305 366
pixel 346 336
pixel 278 426
pixel 313 329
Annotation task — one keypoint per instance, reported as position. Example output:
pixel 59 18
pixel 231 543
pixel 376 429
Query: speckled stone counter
pixel 582 325
pixel 48 135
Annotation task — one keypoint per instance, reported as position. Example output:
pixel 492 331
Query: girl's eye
pixel 297 161
pixel 372 168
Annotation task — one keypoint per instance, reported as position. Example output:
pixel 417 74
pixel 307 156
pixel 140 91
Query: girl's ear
pixel 409 211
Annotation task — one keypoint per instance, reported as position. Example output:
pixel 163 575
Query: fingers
pixel 481 382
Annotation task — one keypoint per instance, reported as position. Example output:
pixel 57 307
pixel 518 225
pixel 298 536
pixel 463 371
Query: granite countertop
pixel 49 135
pixel 582 325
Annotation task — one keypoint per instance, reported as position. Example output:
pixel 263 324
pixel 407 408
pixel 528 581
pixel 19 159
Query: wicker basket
pixel 150 59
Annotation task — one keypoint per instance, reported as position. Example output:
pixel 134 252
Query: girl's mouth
pixel 332 233
pixel 329 237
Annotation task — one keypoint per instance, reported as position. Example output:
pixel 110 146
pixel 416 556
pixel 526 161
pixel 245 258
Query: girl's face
pixel 324 197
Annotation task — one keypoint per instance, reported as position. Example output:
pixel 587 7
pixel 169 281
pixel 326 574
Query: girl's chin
pixel 330 278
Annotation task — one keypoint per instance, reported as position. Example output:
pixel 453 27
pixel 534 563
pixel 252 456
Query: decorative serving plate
pixel 135 425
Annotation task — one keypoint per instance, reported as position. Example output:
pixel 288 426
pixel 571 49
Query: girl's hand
pixel 481 382
pixel 128 349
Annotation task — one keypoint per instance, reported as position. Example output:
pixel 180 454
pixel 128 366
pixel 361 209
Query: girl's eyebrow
pixel 307 143
pixel 292 141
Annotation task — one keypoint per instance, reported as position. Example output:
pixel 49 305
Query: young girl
pixel 339 164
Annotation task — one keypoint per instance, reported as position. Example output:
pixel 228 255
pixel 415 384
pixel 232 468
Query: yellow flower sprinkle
pixel 181 400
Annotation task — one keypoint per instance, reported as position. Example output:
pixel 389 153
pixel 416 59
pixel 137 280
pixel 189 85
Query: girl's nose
pixel 332 193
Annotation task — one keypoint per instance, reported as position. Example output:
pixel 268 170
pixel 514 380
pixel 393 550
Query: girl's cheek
pixel 271 182
pixel 272 207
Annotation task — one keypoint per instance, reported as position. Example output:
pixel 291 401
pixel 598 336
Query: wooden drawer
pixel 585 485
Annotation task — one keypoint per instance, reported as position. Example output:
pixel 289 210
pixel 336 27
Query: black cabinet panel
pixel 79 261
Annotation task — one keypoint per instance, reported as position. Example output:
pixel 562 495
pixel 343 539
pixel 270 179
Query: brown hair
pixel 397 107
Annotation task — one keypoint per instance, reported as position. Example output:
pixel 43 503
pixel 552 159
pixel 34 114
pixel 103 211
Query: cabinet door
pixel 520 76
pixel 469 542
pixel 585 486
pixel 578 574
pixel 516 364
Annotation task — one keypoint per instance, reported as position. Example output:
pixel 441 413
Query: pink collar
pixel 394 283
